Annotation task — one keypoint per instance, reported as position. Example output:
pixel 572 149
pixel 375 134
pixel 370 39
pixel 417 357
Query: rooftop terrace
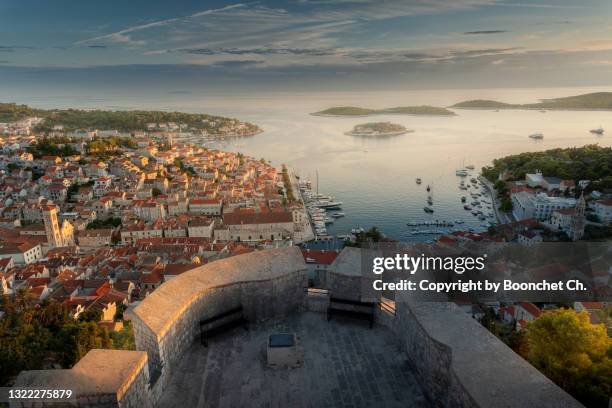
pixel 345 365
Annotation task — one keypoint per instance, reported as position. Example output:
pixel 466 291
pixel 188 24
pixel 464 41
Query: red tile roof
pixel 531 308
pixel 319 256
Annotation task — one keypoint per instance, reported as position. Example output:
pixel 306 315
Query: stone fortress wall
pixel 265 283
pixel 458 362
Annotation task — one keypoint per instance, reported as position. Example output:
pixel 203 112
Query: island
pixel 400 110
pixel 590 101
pixel 378 129
pixel 83 120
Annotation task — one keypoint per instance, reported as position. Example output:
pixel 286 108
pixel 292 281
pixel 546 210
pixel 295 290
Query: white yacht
pixel 598 131
pixel 536 136
pixel 461 172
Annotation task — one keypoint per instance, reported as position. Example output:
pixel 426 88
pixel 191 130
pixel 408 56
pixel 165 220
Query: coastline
pixel 351 133
pixel 514 108
pixel 329 115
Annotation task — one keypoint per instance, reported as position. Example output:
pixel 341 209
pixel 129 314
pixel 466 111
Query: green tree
pixel 91 315
pixel 488 321
pixel 124 339
pixel 76 339
pixel 506 204
pixel 574 353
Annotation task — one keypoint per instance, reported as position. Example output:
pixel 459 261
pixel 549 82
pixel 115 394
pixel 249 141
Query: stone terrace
pixel 345 365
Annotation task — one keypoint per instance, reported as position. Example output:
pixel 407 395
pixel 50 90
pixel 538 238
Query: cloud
pixel 259 51
pixel 122 35
pixel 237 63
pixel 540 5
pixel 484 32
pixel 13 48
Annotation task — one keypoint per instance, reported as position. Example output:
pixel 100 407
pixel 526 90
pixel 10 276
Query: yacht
pixel 598 131
pixel 429 200
pixel 467 207
pixel 536 136
pixel 463 199
pixel 428 188
pixel 428 209
pixel 331 205
pixel 461 173
pixel 470 167
pixel 418 180
pixel 338 215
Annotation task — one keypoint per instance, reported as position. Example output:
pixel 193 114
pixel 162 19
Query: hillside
pixel 124 121
pixel 483 104
pixel 400 110
pixel 589 162
pixel 11 112
pixel 591 101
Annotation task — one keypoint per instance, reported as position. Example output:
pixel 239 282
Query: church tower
pixel 52 229
pixel 579 219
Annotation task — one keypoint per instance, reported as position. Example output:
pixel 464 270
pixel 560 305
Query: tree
pixel 488 321
pixel 574 353
pixel 500 186
pixel 506 205
pixel 91 315
pixel 33 333
pixel 119 313
pixel 124 339
pixel 76 339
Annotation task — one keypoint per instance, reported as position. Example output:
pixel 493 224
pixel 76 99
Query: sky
pixel 301 45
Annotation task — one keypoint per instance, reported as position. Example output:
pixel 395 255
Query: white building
pixel 205 207
pixel 538 206
pixel 603 210
pixel 23 253
pixel 200 228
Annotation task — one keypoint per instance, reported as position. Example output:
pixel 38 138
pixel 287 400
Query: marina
pixel 320 206
pixel 375 178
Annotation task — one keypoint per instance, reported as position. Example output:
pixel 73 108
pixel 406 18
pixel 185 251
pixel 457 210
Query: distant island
pixel 71 120
pixel 590 101
pixel 378 129
pixel 400 110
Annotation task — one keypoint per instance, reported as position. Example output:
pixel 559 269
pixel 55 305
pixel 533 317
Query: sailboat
pixel 463 171
pixel 598 131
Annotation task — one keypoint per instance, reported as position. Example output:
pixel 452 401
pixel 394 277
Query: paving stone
pixel 346 364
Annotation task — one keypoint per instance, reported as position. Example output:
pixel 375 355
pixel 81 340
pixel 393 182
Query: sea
pixel 374 178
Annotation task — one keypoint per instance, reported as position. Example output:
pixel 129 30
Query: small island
pixel 378 129
pixel 591 101
pixel 400 110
